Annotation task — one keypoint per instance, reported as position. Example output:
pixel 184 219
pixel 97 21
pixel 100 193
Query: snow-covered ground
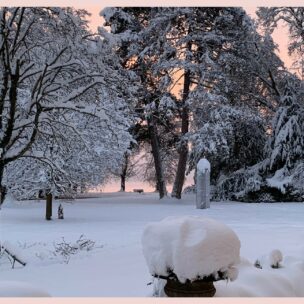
pixel 116 265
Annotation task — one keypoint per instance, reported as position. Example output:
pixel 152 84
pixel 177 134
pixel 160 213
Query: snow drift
pixel 20 289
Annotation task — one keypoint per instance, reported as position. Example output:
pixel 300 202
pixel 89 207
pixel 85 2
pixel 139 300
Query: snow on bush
pixel 192 247
pixel 237 185
pixel 66 249
pixel 275 257
pixel 20 289
pixel 279 180
pixel 272 260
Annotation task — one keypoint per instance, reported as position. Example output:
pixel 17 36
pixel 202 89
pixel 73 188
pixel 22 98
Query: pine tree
pixel 285 148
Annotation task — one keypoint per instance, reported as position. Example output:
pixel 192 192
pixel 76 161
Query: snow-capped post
pixel 203 184
pixel 48 210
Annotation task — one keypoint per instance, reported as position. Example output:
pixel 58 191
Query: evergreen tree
pixel 285 148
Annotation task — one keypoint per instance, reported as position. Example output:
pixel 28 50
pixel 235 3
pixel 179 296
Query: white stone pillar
pixel 203 184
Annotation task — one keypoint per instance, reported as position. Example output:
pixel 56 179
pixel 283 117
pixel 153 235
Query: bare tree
pixel 49 80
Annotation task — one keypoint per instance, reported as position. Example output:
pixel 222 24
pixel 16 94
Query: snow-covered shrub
pixel 257 264
pixel 272 260
pixel 191 248
pixel 290 183
pixel 285 145
pixel 285 281
pixel 252 184
pixel 67 249
pixel 283 165
pixel 189 189
pixel 229 137
pixel 298 179
pixel 280 175
pixel 239 184
pixel 276 257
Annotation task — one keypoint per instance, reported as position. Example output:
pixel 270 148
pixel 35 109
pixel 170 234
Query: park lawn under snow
pixel 116 266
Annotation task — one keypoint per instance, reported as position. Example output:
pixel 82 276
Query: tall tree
pixel 293 17
pixel 166 45
pixel 197 46
pixel 231 118
pixel 284 150
pixel 127 27
pixel 279 175
pixel 51 85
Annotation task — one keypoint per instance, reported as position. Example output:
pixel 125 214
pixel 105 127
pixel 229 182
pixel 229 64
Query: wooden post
pixel 60 212
pixel 48 211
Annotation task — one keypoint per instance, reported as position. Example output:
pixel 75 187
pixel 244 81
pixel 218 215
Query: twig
pixel 14 257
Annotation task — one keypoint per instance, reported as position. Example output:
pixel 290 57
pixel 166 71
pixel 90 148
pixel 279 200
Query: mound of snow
pixel 203 165
pixel 191 247
pixel 272 260
pixel 20 289
pixel 275 257
pixel 9 199
pixel 286 281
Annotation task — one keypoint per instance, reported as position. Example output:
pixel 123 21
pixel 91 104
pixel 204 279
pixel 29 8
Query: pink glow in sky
pixel 280 35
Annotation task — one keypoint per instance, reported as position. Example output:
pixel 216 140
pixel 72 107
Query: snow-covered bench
pixel 138 190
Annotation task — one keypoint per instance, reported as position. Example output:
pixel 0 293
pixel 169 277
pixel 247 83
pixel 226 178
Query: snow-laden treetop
pixel 192 247
pixel 203 165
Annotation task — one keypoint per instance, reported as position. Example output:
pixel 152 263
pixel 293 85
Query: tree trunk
pixel 48 210
pixel 183 150
pixel 3 189
pixel 160 180
pixel 122 183
pixel 123 175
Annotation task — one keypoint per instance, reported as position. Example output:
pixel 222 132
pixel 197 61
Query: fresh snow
pixel 117 267
pixel 190 246
pixel 20 289
pixel 279 180
pixel 276 257
pixel 13 249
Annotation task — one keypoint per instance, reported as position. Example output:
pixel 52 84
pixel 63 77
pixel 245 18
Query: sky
pixel 280 35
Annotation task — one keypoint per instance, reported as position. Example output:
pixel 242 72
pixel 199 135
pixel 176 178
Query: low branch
pixel 14 257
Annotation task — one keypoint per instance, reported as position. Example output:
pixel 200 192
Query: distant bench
pixel 138 190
